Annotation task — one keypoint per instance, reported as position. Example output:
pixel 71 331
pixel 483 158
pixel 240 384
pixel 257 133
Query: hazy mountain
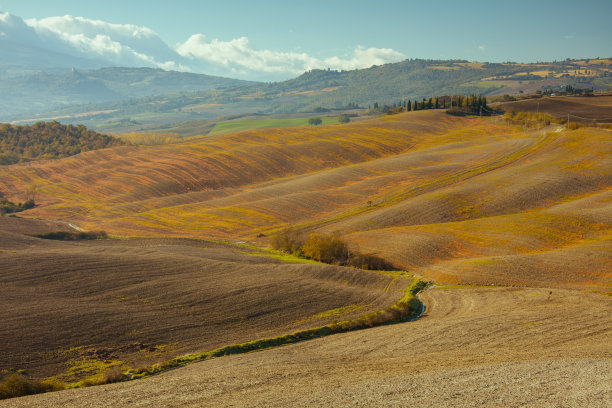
pixel 42 91
pixel 23 48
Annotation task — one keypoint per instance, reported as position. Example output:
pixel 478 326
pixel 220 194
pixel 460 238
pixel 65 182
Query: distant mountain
pixel 158 98
pixel 42 91
pixel 23 48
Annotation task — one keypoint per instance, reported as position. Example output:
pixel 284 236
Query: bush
pixel 17 386
pixel 289 240
pixel 369 261
pixel 343 119
pixel 315 121
pixel 328 248
pixel 73 236
pixel 7 207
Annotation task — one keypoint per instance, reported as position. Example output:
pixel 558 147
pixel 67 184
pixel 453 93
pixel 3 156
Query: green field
pixel 233 126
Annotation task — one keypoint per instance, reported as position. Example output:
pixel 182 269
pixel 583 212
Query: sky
pixel 282 38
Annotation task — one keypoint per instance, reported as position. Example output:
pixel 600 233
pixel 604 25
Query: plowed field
pixel 74 308
pixel 474 347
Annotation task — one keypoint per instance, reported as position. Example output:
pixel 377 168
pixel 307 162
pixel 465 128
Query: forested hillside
pixel 48 140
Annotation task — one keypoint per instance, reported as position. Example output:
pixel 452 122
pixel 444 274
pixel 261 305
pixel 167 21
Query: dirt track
pixel 474 347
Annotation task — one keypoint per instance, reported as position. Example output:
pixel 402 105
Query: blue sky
pixel 522 31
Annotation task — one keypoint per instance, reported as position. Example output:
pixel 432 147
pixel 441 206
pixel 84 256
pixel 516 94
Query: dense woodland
pixel 48 140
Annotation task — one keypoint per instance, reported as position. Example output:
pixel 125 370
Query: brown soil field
pixel 460 200
pixel 71 309
pixel 474 347
pixel 597 109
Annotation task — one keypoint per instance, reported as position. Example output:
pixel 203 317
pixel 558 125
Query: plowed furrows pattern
pixel 393 197
pixel 469 344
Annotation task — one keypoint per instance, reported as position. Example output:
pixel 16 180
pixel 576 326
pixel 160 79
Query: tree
pixel 314 121
pixel 343 119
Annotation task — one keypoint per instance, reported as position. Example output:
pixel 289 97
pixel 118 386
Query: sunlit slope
pixel 145 188
pixel 457 199
pixel 545 220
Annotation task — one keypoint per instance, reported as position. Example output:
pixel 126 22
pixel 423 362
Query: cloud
pixel 238 57
pixel 134 46
pixel 481 48
pixel 122 44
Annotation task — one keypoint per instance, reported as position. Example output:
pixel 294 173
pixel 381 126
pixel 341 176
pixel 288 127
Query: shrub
pixel 343 119
pixel 369 261
pixel 7 207
pixel 73 236
pixel 315 121
pixel 17 386
pixel 289 240
pixel 328 248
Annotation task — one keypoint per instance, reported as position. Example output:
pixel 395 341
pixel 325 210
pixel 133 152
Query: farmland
pixel 249 124
pixel 513 223
pixel 132 303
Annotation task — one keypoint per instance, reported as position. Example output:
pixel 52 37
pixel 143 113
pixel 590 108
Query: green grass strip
pixel 406 309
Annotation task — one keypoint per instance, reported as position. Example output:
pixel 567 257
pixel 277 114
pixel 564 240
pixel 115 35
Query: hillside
pixel 132 303
pixel 314 91
pixel 48 140
pixel 41 91
pixel 449 198
pixel 512 222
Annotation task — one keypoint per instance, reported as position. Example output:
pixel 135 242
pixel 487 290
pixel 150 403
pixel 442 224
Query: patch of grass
pixel 233 126
pixel 335 312
pixel 485 261
pixel 273 253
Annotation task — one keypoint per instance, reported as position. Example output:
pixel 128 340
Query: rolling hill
pixel 449 198
pixel 513 223
pixel 160 98
pixel 41 91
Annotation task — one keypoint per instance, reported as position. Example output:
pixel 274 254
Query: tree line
pixel 456 104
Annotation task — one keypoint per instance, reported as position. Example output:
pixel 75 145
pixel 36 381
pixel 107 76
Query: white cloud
pixel 132 45
pixel 481 48
pixel 122 44
pixel 238 56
